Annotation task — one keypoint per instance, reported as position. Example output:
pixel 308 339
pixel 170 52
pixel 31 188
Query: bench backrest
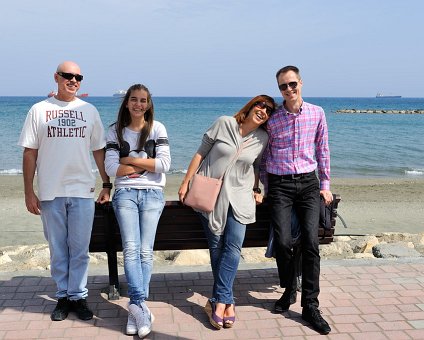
pixel 180 228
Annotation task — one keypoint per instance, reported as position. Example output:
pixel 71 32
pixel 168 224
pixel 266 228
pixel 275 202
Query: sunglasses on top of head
pixel 262 105
pixel 69 76
pixel 292 85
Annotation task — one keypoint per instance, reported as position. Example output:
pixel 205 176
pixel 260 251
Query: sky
pixel 344 48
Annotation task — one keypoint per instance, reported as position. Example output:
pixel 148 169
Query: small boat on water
pixel 381 95
pixel 120 93
pixel 53 93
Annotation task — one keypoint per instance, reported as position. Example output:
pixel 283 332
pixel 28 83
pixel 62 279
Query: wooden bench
pixel 179 228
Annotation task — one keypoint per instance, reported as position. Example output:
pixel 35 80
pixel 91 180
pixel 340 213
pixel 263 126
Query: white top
pixel 64 133
pixel 145 179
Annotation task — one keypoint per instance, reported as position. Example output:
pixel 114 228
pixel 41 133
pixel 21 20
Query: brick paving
pixel 377 299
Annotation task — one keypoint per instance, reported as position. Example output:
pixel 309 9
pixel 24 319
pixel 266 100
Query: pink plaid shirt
pixel 298 143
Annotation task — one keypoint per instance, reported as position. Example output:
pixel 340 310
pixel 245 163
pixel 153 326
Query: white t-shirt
pixel 64 133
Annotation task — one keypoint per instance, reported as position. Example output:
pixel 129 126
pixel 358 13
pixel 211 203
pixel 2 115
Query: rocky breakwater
pixel 383 245
pixel 380 111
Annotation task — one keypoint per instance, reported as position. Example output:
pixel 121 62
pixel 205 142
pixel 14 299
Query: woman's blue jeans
pixel 138 212
pixel 225 253
pixel 67 224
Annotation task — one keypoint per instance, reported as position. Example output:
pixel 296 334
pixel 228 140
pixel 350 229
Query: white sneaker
pixel 143 318
pixel 149 313
pixel 131 325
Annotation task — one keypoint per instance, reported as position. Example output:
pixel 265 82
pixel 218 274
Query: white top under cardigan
pixel 219 145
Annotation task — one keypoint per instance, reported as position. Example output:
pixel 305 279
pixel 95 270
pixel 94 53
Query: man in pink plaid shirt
pixel 297 147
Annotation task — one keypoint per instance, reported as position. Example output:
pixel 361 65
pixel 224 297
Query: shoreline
pixel 368 206
pixel 378 111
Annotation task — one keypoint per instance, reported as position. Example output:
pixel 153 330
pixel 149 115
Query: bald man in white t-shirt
pixel 58 135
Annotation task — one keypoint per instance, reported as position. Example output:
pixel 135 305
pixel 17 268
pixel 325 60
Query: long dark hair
pixel 124 117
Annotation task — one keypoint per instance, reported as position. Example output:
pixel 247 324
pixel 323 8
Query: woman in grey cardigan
pixel 225 226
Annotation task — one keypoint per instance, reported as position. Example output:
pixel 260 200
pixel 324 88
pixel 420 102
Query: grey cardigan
pixel 219 145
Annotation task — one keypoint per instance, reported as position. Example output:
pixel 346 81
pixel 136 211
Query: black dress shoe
pixel 312 315
pixel 81 309
pixel 61 310
pixel 283 304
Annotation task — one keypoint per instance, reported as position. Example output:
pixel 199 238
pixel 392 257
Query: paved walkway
pixel 377 299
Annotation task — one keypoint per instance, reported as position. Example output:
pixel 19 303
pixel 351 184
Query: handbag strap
pixel 234 158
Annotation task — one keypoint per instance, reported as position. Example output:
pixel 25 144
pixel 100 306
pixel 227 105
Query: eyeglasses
pixel 69 76
pixel 292 85
pixel 262 105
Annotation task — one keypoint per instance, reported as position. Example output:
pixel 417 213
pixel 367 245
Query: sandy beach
pixel 368 206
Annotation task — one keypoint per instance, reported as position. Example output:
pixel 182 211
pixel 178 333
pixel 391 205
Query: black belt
pixel 297 176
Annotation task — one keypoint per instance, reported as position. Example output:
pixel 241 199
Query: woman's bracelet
pixel 107 185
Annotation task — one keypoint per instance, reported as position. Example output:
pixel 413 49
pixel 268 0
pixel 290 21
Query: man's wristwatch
pixel 257 190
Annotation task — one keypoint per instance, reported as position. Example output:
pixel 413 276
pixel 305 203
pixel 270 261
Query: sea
pixel 361 145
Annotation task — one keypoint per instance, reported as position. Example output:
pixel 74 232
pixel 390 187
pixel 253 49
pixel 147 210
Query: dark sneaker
pixel 312 315
pixel 80 307
pixel 283 304
pixel 61 310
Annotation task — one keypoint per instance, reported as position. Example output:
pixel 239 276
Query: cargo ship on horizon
pixel 381 95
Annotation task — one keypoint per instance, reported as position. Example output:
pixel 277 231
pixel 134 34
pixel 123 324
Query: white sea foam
pixel 19 171
pixel 11 172
pixel 177 171
pixel 414 172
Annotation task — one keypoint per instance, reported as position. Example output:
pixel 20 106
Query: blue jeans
pixel 67 224
pixel 138 212
pixel 225 252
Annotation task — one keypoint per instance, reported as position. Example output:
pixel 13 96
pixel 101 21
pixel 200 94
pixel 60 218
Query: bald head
pixel 66 65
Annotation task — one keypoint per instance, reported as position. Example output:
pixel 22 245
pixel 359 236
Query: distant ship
pixel 381 95
pixel 82 95
pixel 120 93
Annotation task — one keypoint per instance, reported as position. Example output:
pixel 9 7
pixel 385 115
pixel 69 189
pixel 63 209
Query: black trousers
pixel 302 194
